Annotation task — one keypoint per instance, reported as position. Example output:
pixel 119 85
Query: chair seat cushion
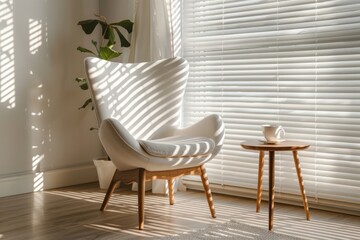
pixel 178 146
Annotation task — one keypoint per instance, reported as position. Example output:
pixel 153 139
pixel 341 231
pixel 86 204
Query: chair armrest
pixel 121 132
pixel 123 149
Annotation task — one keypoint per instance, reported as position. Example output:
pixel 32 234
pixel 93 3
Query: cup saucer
pixel 272 142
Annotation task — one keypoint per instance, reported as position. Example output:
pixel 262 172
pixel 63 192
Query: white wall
pixel 44 138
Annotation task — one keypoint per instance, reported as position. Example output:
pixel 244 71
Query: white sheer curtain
pixel 152 35
pixel 152 39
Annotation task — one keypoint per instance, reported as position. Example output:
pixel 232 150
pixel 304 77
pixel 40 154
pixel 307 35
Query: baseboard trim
pixel 31 182
pixel 291 199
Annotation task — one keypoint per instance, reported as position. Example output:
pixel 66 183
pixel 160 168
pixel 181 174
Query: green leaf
pixel 85 50
pixel 123 41
pixel 111 41
pixel 86 103
pixel 107 53
pixel 105 32
pixel 88 26
pixel 78 79
pixel 82 83
pixel 127 24
pixel 84 86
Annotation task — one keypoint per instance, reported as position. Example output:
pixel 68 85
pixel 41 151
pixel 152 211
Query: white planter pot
pixel 105 170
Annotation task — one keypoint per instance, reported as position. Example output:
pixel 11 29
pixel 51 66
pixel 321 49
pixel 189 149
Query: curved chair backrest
pixel 142 96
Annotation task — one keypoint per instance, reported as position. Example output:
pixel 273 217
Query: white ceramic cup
pixel 273 133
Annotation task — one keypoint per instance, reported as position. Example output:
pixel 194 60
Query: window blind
pixel 294 63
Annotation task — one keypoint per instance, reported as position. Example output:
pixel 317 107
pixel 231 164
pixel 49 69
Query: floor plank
pixel 73 213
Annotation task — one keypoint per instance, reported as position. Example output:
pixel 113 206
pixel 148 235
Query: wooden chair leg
pixel 171 191
pixel 301 184
pixel 205 183
pixel 141 197
pixel 260 177
pixel 110 190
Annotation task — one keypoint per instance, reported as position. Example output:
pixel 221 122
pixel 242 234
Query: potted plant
pixel 104 49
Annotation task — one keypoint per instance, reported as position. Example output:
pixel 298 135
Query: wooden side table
pixel 293 146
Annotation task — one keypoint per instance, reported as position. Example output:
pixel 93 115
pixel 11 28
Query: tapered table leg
pixel 141 197
pixel 271 187
pixel 171 191
pixel 260 177
pixel 301 184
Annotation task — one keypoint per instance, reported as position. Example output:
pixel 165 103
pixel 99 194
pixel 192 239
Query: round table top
pixel 287 145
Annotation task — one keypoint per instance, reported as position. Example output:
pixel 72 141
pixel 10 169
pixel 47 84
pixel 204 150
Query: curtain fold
pixel 152 36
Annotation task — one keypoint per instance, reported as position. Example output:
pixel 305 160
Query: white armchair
pixel 138 108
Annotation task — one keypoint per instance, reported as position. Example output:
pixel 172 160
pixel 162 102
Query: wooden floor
pixel 73 213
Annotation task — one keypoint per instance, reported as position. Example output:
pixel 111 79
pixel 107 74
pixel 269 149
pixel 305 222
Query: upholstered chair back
pixel 142 96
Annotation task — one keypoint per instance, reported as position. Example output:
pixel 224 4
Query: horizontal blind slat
pixel 295 63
